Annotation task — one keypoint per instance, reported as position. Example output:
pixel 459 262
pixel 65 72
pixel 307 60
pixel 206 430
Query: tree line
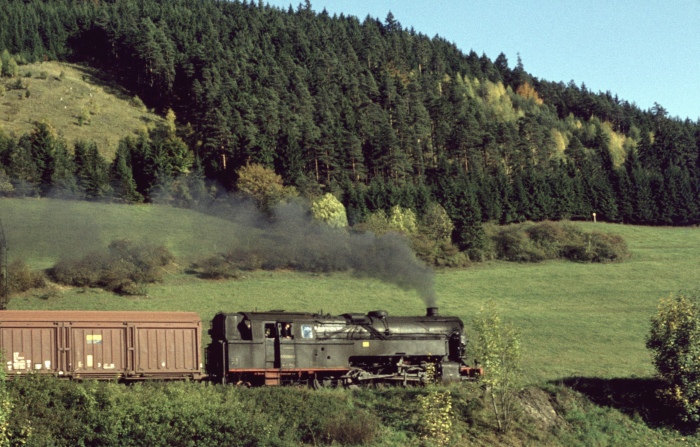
pixel 378 114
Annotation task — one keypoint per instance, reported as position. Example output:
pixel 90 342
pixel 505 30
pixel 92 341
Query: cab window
pixel 270 330
pixel 307 331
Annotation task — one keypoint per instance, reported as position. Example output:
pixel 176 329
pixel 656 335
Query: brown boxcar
pixel 102 345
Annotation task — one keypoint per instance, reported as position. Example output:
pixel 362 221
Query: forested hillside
pixel 377 113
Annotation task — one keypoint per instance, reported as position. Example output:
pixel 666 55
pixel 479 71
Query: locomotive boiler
pixel 277 347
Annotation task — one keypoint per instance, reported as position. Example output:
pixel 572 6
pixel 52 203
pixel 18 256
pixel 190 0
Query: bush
pixel 440 253
pixel 377 223
pixel 350 428
pixel 674 340
pixel 530 242
pixel 513 243
pixel 497 348
pixel 435 417
pixel 403 220
pixel 595 247
pixel 65 413
pixel 20 278
pixel 548 236
pixel 138 103
pixel 125 268
pixel 84 272
pixel 216 267
pixel 400 220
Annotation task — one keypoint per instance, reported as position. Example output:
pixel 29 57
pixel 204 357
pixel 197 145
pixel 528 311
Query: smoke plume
pixel 293 239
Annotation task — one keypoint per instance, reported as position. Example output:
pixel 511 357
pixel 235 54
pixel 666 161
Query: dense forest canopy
pixel 376 113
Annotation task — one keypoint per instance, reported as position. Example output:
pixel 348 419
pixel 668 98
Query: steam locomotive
pixel 252 348
pixel 275 348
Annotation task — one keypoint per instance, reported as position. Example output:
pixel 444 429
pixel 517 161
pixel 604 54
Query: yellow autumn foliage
pixel 528 92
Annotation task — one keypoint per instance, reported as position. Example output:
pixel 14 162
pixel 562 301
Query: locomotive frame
pixel 277 347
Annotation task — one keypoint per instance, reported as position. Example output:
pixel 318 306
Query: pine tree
pixel 63 181
pixel 469 233
pixel 91 170
pixel 123 183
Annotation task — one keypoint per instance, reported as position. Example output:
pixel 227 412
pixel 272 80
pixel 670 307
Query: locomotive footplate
pixel 275 377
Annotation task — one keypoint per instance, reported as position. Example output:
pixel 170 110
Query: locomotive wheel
pixel 322 383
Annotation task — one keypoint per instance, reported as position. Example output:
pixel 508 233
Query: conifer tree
pixel 91 170
pixel 63 181
pixel 123 183
pixel 468 231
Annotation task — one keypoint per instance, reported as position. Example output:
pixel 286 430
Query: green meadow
pixel 575 319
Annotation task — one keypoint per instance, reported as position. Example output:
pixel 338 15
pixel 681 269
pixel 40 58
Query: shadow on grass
pixel 635 397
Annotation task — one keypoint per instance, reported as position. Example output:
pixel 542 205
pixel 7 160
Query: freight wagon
pixel 102 345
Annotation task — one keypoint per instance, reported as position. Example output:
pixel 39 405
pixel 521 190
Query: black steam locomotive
pixel 277 347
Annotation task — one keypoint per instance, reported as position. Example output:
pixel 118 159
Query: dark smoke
pixel 291 238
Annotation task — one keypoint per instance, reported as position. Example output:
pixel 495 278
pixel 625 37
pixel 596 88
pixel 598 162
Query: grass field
pixel 62 99
pixel 587 320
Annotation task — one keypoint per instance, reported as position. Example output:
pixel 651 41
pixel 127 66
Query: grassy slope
pixel 112 116
pixel 576 319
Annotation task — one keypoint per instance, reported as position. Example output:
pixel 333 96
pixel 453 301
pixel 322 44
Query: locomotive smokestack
pixel 433 312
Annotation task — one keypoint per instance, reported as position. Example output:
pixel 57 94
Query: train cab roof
pixel 277 315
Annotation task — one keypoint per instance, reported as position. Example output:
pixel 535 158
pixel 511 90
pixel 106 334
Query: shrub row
pixel 62 413
pixel 536 242
pixel 336 251
pixel 51 412
pixel 125 268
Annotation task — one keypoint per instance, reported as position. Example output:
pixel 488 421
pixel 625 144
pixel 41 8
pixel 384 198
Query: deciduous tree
pixel 330 210
pixel 674 341
pixel 263 186
pixel 498 351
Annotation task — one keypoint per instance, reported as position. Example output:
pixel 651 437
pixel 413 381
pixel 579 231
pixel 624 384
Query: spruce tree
pixel 123 183
pixel 91 170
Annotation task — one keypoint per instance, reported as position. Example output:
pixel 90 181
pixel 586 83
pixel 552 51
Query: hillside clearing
pixel 61 93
